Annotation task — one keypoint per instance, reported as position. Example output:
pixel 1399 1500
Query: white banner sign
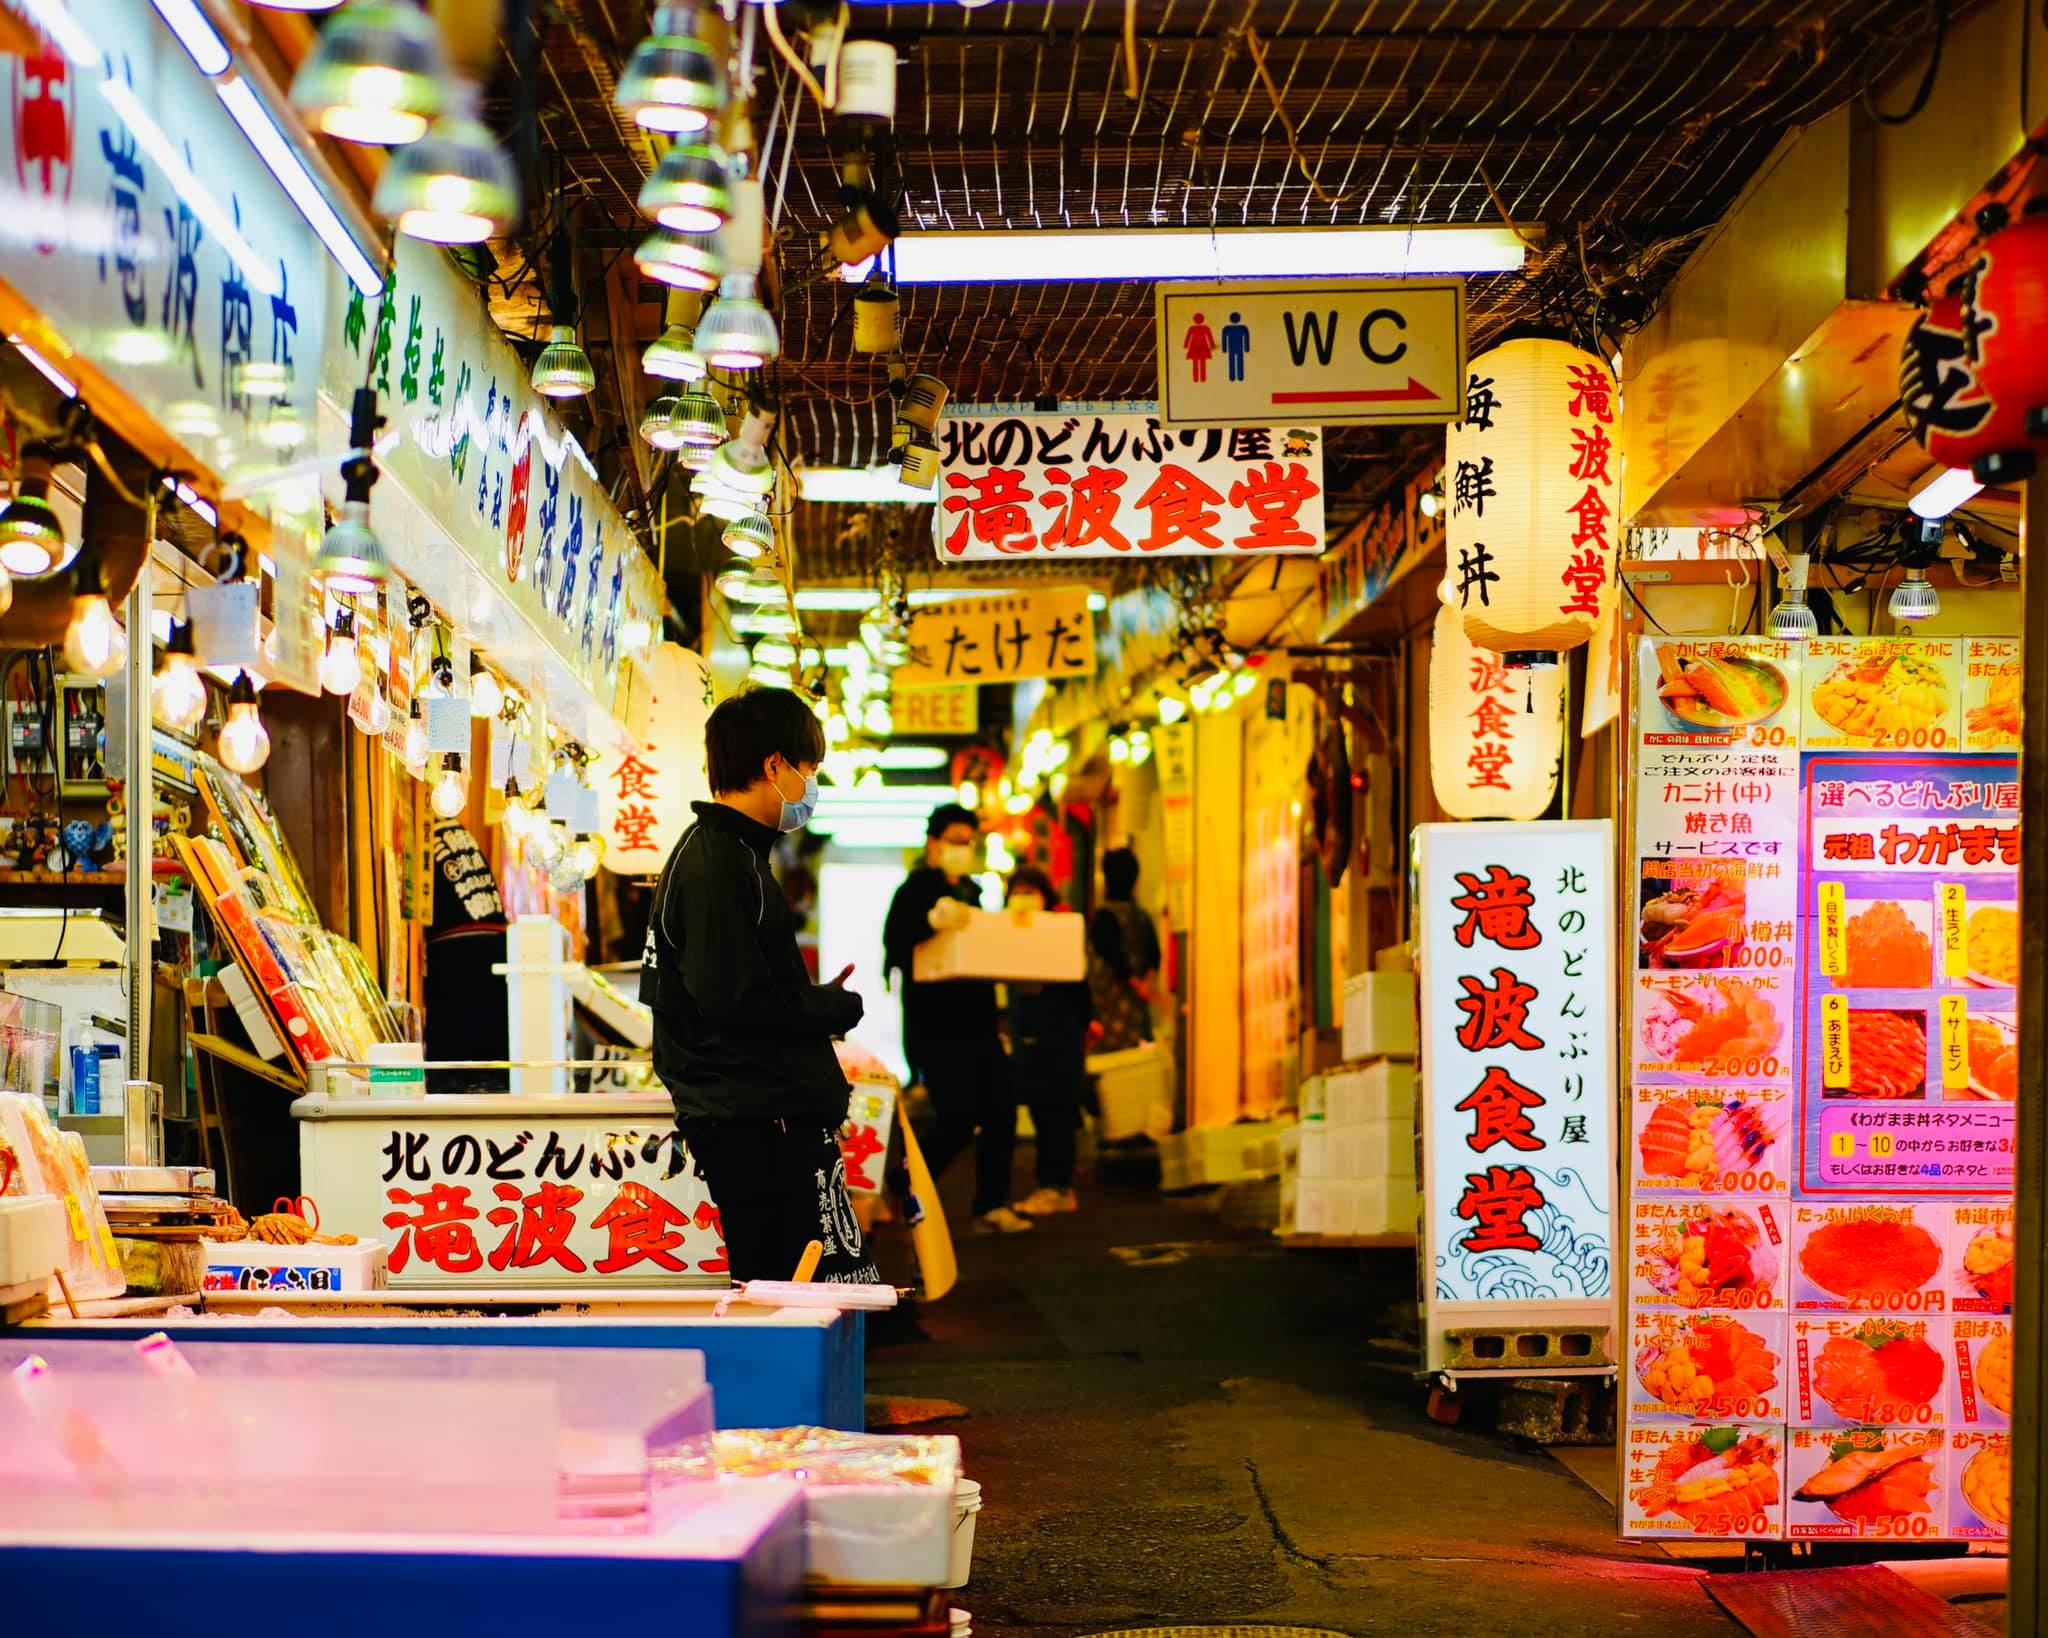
pixel 1516 975
pixel 1125 486
pixel 644 796
pixel 519 1199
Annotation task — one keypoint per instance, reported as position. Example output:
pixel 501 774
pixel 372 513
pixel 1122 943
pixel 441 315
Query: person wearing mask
pixel 742 1037
pixel 1049 1027
pixel 1123 957
pixel 950 1032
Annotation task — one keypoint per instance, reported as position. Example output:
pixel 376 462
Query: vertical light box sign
pixel 1517 983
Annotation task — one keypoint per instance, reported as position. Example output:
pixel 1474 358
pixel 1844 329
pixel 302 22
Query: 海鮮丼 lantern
pixel 1495 737
pixel 1530 493
pixel 1976 362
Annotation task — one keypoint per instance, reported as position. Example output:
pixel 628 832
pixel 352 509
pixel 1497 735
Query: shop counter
pixel 729 1563
pixel 768 1367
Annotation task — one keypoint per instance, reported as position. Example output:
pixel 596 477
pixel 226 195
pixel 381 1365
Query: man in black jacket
pixel 742 1037
pixel 950 1032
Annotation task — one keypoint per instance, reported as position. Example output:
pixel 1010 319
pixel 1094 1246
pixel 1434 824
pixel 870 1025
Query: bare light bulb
pixel 549 841
pixel 518 820
pixel 486 697
pixel 341 667
pixel 94 644
pixel 584 854
pixel 451 790
pixel 416 741
pixel 244 741
pixel 179 693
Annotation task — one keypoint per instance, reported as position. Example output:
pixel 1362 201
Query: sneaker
pixel 1047 1203
pixel 1002 1221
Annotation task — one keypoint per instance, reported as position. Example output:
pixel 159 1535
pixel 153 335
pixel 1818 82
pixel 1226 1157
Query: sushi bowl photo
pixel 1889 1372
pixel 1981 1391
pixel 1869 1259
pixel 1857 1483
pixel 1692 921
pixel 1700 1479
pixel 1710 1142
pixel 1980 1504
pixel 1723 1366
pixel 1981 1256
pixel 1718 693
pixel 1714 1254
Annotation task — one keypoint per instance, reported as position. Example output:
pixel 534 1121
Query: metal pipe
pixel 141 802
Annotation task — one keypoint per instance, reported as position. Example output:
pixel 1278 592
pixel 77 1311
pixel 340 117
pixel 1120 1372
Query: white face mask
pixel 956 859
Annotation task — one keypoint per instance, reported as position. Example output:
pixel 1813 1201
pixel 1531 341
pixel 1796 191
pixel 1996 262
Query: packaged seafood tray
pixel 1980 1372
pixel 1980 1250
pixel 1704 1479
pixel 1863 1484
pixel 1883 1370
pixel 1870 1257
pixel 1688 1365
pixel 1889 693
pixel 1693 1140
pixel 1715 1253
pixel 37 1158
pixel 1980 1478
pixel 1703 1026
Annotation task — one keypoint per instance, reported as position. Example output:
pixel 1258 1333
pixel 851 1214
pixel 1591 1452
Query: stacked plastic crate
pixel 1348 1166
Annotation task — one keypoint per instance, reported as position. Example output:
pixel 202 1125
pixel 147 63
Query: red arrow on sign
pixel 1414 392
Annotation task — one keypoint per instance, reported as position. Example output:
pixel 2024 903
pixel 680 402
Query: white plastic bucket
pixel 966 1503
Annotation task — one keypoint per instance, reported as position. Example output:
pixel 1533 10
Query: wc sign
pixel 1325 352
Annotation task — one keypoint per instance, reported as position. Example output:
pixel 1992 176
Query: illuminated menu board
pixel 1821 1089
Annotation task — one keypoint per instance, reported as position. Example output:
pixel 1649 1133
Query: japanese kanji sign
pixel 1002 638
pixel 1516 975
pixel 644 795
pixel 1125 486
pixel 528 1197
pixel 1333 352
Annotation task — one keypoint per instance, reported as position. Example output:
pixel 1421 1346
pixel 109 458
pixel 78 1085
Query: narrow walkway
pixel 1177 1423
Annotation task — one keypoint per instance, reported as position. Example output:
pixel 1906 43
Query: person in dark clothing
pixel 950 1032
pixel 742 1037
pixel 466 1017
pixel 1049 1027
pixel 1123 957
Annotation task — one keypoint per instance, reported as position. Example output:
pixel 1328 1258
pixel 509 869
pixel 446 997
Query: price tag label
pixel 1955 1044
pixel 1952 905
pixel 1834 1041
pixel 76 1212
pixel 1834 955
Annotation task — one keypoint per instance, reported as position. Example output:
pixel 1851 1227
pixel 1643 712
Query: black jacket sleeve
pixel 1106 938
pixel 909 921
pixel 714 919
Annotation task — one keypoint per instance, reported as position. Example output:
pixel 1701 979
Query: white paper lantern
pixel 1530 493
pixel 644 797
pixel 1495 735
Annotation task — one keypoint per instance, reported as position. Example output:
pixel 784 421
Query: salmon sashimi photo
pixel 1716 1367
pixel 1870 1258
pixel 1861 1484
pixel 1881 1372
pixel 1692 1141
pixel 1887 1055
pixel 1716 1259
pixel 1716 1483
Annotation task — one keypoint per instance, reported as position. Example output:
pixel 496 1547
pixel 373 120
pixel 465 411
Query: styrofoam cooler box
pixel 1311 1100
pixel 1133 1089
pixel 1314 1146
pixel 1290 1176
pixel 1325 1206
pixel 1376 1091
pixel 1375 1148
pixel 1044 946
pixel 1219 1154
pixel 251 1265
pixel 1383 1205
pixel 1379 1015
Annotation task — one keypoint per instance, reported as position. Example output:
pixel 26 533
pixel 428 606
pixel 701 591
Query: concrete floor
pixel 1177 1423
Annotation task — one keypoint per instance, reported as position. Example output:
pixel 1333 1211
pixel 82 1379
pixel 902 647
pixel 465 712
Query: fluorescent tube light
pixel 1196 253
pixel 837 599
pixel 150 136
pixel 283 159
pixel 859 484
pixel 44 368
pixel 54 18
pixel 1943 493
pixel 195 34
pixel 192 498
pixel 907 757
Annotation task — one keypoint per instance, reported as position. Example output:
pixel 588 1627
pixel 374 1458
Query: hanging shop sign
pixel 1516 975
pixel 644 793
pixel 1336 352
pixel 527 1198
pixel 148 234
pixel 484 460
pixel 1530 490
pixel 1125 486
pixel 1495 737
pixel 951 711
pixel 974 640
pixel 1824 1078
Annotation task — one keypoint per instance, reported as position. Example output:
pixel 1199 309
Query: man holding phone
pixel 742 1037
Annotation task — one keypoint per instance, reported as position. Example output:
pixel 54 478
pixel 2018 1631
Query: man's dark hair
pixel 945 816
pixel 749 728
pixel 1119 872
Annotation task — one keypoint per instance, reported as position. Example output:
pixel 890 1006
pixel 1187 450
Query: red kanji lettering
pixel 1583 577
pixel 644 1227
pixel 1179 502
pixel 439 1234
pixel 1489 760
pixel 634 778
pixel 1497 1014
pixel 1490 673
pixel 707 1218
pixel 1496 1201
pixel 1496 907
pixel 857 1146
pixel 1592 513
pixel 1499 1106
pixel 537 1227
pixel 1086 507
pixel 1592 393
pixel 1492 720
pixel 1590 450
pixel 1274 494
pixel 633 825
pixel 995 515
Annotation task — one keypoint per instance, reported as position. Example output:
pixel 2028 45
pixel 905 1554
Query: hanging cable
pixel 1938 10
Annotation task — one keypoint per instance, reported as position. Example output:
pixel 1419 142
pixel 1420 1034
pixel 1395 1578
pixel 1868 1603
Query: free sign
pixel 1327 352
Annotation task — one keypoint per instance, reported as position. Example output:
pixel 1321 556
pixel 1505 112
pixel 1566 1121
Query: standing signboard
pixel 1332 352
pixel 1825 1080
pixel 1080 485
pixel 1516 977
pixel 1001 638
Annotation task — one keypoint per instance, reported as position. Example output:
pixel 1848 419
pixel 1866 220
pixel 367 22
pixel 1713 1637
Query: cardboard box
pixel 251 1265
pixel 1032 946
pixel 1379 1015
